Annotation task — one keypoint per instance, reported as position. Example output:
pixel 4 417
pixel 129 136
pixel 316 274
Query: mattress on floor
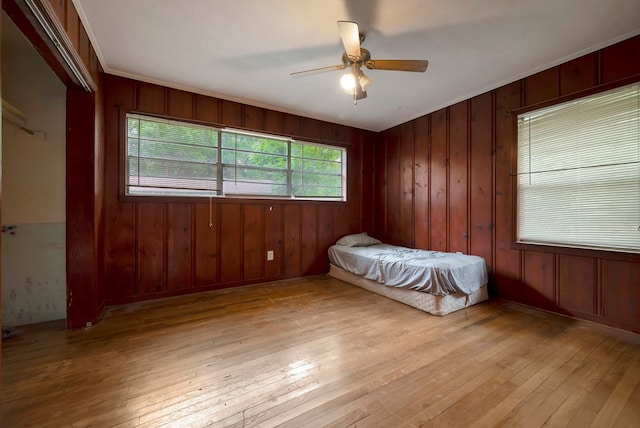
pixel 432 272
pixel 435 305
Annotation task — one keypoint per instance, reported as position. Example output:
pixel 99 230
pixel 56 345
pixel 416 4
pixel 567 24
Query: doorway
pixel 34 284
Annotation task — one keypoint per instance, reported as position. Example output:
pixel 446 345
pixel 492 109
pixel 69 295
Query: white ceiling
pixel 244 50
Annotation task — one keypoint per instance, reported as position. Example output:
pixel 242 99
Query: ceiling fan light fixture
pixel 348 82
pixel 364 81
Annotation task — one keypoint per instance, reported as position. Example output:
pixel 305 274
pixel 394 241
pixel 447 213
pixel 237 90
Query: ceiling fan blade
pixel 350 38
pixel 416 65
pixel 318 70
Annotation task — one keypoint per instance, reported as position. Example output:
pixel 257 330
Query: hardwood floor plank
pixel 602 388
pixel 617 399
pixel 630 413
pixel 396 364
pixel 209 409
pixel 515 368
pixel 545 400
pixel 318 352
pixel 468 368
pixel 573 393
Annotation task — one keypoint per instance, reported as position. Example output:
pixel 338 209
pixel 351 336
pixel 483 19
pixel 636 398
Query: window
pixel 579 172
pixel 169 158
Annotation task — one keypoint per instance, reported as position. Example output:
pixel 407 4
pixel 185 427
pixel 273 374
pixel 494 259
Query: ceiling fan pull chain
pixel 210 211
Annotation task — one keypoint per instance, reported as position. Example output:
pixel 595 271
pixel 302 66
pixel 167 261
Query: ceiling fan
pixel 355 57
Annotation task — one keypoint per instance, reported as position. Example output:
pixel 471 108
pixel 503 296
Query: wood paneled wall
pixel 155 249
pixel 67 15
pixel 443 182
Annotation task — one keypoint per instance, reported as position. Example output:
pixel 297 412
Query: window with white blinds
pixel 172 158
pixel 579 172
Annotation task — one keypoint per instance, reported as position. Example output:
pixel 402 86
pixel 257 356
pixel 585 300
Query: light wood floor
pixel 319 352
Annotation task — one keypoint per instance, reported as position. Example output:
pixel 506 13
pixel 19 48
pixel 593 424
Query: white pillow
pixel 358 240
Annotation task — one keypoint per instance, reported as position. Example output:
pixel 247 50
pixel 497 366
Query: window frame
pixel 231 198
pixel 571 250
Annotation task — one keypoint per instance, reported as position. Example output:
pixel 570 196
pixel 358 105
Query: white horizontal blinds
pixel 166 157
pixel 317 171
pixel 579 172
pixel 254 164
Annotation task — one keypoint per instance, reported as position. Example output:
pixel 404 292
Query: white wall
pixel 33 186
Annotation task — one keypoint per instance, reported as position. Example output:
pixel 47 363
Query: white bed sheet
pixel 432 272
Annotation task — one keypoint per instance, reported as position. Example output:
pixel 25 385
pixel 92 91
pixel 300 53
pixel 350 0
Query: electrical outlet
pixel 270 255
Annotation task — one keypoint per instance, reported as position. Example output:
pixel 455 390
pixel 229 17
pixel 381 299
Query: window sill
pixel 156 199
pixel 578 251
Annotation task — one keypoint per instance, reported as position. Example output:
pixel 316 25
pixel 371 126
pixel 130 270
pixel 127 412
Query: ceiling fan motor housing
pixel 365 56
